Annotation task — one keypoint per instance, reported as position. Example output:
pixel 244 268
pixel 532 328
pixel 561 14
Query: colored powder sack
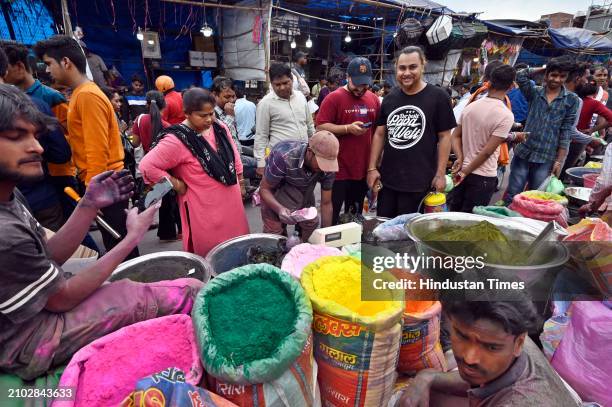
pixel 420 348
pixel 546 196
pixel 254 332
pixel 250 319
pixel 356 343
pixel 341 283
pixel 582 358
pixel 540 209
pixel 168 388
pixel 106 371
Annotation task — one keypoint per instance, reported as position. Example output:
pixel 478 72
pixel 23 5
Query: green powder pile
pixel 483 239
pixel 250 319
pixel 481 231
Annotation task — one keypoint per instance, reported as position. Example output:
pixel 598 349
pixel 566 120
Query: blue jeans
pixel 522 173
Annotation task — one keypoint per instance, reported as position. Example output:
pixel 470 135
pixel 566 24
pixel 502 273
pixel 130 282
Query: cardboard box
pixel 209 59
pixel 203 44
pixel 196 58
pixel 203 59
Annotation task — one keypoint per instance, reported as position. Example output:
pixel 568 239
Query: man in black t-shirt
pixel 414 128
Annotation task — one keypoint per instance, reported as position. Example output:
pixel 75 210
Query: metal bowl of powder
pixel 161 266
pixel 233 253
pixel 550 259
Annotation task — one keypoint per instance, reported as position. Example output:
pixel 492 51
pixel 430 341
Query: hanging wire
pixel 114 16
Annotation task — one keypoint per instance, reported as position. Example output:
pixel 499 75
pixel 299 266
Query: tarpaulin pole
pixel 66 18
pixel 267 42
pixel 382 50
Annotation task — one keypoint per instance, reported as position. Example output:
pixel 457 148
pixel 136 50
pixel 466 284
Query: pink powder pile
pixel 303 254
pixel 305 214
pixel 106 371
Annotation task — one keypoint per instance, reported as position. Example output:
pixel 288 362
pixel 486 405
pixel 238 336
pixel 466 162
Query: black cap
pixel 360 71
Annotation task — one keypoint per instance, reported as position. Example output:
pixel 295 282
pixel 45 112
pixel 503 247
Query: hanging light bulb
pixel 151 42
pixel 139 35
pixel 309 42
pixel 348 38
pixel 206 30
pixel 293 44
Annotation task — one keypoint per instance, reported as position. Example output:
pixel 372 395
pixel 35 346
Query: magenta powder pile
pixel 107 370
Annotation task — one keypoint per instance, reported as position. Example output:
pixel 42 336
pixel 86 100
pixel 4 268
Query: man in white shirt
pixel 281 115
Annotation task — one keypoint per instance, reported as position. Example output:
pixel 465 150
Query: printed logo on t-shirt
pixel 405 126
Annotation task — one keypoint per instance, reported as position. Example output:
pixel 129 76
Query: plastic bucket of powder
pixel 107 370
pixel 253 328
pixel 356 342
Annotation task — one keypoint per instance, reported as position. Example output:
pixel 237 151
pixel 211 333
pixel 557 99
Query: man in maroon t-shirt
pixel 350 113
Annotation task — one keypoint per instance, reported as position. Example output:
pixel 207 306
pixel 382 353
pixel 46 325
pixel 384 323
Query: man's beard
pixel 19 178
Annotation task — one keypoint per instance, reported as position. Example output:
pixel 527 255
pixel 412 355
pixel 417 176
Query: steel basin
pixel 161 266
pixel 575 174
pixel 233 252
pixel 578 196
pixel 553 258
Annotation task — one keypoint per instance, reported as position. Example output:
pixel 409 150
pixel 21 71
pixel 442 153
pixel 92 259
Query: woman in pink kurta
pixel 202 162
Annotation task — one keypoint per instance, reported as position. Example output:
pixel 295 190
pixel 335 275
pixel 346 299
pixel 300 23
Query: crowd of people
pixel 389 144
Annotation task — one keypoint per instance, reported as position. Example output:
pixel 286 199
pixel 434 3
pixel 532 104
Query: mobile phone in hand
pixel 158 192
pixel 366 125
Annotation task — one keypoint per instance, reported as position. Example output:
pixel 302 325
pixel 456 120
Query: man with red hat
pixel 292 172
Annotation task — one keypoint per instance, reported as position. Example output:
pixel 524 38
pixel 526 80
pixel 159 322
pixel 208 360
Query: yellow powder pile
pixel 341 283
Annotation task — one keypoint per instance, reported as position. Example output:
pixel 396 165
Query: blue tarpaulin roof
pixel 579 39
pixel 506 29
pixel 30 22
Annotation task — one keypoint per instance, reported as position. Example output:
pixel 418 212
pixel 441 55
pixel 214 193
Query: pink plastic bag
pixel 583 356
pixel 539 209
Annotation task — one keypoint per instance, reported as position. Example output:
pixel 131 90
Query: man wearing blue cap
pixel 349 113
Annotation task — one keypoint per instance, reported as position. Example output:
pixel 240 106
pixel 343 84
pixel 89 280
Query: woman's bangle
pixel 372 169
pixel 346 129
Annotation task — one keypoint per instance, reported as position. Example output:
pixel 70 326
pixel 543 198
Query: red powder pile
pixel 106 371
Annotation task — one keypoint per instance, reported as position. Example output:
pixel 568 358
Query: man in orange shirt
pixel 92 126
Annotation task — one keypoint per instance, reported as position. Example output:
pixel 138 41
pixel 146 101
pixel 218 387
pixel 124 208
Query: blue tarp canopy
pixel 508 30
pixel 579 39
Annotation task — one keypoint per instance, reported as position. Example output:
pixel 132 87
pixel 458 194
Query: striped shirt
pixel 28 276
pixel 230 122
pixel 550 124
pixel 285 164
pixel 137 104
